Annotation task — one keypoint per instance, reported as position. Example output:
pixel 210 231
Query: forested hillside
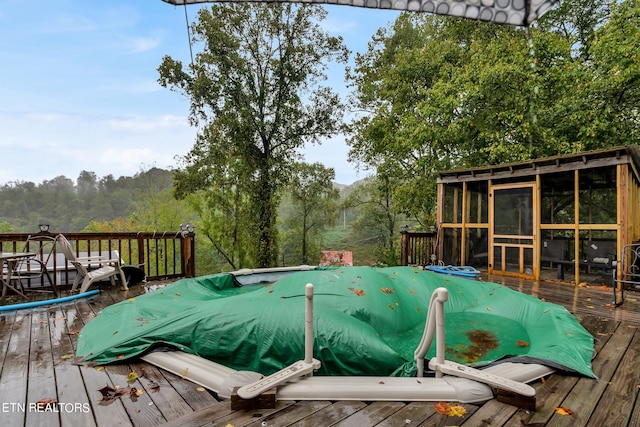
pixel 145 202
pixel 69 205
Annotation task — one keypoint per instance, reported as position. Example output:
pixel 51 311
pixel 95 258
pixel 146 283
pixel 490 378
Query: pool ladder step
pixel 462 371
pixel 295 370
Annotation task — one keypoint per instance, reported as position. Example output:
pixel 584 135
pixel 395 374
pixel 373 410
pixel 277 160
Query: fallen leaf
pixel 442 408
pixel 66 356
pixel 457 411
pixel 386 290
pixel 200 389
pixel 521 343
pixel 132 299
pixel 132 376
pixel 43 404
pixel 185 372
pixel 99 368
pixel 563 411
pixel 358 292
pixel 134 393
pixel 109 393
pixel 450 410
pixel 120 356
pixel 91 364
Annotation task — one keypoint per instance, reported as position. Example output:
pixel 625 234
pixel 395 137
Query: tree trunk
pixel 267 248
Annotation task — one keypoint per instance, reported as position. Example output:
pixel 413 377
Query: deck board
pixel 605 365
pixel 330 415
pixel 34 345
pixel 105 413
pixel 617 403
pixel 371 414
pixel 13 381
pixel 168 401
pixel 69 381
pixel 42 381
pixel 190 392
pixel 412 414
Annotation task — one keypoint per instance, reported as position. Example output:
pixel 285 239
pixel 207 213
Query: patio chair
pixel 107 268
pixel 31 270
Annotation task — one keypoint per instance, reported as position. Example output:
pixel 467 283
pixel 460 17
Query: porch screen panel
pixel 477 247
pixel 477 203
pixel 513 212
pixel 451 242
pixel 557 202
pixel 452 211
pixel 598 196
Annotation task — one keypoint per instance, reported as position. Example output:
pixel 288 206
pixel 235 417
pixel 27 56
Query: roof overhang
pixel 586 160
pixel 517 12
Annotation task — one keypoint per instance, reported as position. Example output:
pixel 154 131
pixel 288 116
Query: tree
pixel 615 100
pixel 314 207
pixel 377 218
pixel 255 86
pixel 441 93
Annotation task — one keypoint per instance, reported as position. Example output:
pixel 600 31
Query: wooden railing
pixel 160 254
pixel 418 248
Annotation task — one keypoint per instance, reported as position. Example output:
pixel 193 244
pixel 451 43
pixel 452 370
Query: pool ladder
pixel 434 326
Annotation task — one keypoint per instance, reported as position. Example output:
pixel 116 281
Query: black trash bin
pixel 133 274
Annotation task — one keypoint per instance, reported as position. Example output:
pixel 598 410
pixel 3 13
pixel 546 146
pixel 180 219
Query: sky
pixel 79 91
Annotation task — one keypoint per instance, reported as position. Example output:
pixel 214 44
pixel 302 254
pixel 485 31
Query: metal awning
pixel 509 12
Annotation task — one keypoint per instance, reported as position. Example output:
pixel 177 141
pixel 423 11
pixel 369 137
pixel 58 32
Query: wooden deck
pixel 36 348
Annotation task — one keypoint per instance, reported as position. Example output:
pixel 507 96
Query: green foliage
pixel 376 224
pixel 313 208
pixel 443 94
pixel 5 227
pixel 67 206
pixel 255 87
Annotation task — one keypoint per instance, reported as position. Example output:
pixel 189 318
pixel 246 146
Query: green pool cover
pixel 367 321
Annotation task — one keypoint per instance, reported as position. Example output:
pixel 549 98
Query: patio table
pixel 11 259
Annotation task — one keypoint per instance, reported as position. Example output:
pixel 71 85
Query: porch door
pixel 513 236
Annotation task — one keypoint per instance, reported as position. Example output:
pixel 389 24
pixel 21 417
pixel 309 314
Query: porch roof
pixel 629 154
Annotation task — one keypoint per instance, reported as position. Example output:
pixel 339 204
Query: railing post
pixel 188 259
pixel 188 250
pixel 404 246
pixel 141 258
